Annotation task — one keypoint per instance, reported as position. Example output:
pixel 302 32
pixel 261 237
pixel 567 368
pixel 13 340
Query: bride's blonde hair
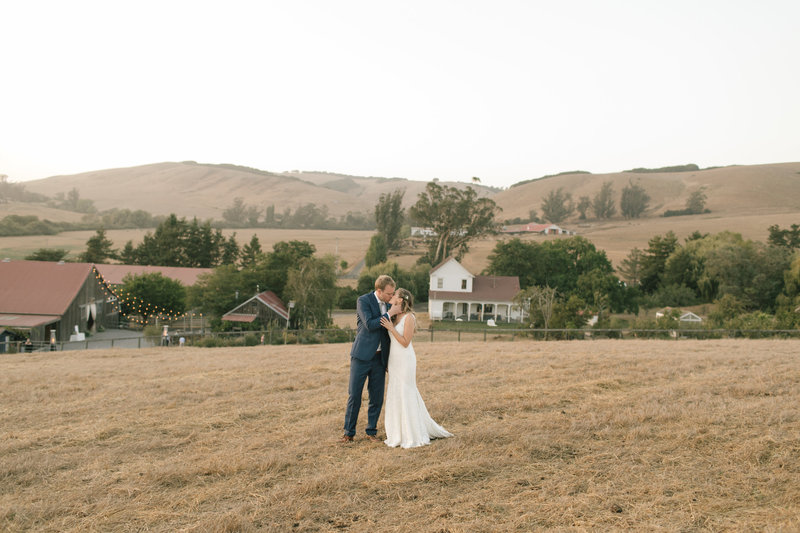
pixel 406 301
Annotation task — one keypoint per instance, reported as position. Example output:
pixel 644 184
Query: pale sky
pixel 502 90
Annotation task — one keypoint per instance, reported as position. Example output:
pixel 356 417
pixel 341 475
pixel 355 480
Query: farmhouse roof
pixel 440 265
pixel 268 298
pixel 41 288
pixel 114 274
pixel 447 260
pixel 484 288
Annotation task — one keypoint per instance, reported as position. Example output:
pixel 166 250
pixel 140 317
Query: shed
pixel 265 307
pixel 690 317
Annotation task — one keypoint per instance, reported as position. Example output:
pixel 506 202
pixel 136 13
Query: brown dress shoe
pixel 373 438
pixel 346 438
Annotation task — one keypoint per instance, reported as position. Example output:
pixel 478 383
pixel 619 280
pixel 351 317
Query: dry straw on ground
pixel 578 436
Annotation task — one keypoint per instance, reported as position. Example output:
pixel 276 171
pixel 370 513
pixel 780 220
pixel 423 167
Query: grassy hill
pixel 193 189
pixel 743 199
pixel 731 191
pixel 596 435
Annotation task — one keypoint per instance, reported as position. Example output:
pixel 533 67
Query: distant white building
pixel 456 294
pixel 543 229
pixel 690 317
pixel 416 231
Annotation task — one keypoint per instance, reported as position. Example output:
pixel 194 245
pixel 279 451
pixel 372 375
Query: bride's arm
pixel 408 330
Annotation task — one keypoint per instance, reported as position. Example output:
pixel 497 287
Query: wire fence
pixel 331 336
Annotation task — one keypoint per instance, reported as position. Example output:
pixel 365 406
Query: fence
pixel 330 336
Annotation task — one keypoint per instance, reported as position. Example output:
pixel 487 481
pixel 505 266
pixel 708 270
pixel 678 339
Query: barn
pixel 44 298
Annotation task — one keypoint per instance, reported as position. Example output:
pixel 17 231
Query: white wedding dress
pixel 407 421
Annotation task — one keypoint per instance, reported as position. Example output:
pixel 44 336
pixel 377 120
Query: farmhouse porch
pixel 481 311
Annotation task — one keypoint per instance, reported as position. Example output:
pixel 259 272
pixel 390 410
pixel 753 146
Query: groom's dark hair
pixel 384 280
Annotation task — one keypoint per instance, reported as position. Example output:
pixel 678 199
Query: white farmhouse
pixel 454 293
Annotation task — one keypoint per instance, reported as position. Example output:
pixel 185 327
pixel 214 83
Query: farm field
pixel 578 436
pixel 616 237
pixel 349 245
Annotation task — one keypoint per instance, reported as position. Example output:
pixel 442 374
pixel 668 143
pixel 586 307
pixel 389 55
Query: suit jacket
pixel 370 335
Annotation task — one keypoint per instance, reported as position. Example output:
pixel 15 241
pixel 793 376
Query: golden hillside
pixel 732 190
pixel 742 199
pixel 204 191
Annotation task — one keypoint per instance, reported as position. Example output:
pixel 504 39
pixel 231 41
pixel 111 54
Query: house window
pixel 464 284
pixel 439 283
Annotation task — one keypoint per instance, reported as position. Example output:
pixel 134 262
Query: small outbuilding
pixel 690 317
pixel 264 307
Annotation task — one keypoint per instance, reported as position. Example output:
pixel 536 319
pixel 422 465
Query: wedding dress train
pixel 407 421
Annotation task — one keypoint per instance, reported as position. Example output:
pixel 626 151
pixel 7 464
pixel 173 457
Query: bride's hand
pixel 385 322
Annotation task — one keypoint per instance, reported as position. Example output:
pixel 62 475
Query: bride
pixel 407 421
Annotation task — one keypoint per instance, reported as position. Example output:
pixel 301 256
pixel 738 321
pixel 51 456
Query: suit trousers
pixel 361 371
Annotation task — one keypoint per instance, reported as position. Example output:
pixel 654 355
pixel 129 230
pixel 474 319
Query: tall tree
pixel 269 216
pixel 584 203
pixel 251 215
pixel 235 215
pixel 230 250
pixel 215 293
pixel 128 254
pixel 166 246
pixel 152 294
pixel 202 245
pixel 631 267
pixel 557 205
pixel 98 248
pixel 786 238
pixel 634 200
pixel 376 253
pixel 271 270
pixel 654 260
pixel 603 202
pixel 48 254
pixel 312 286
pixel 456 216
pixel 389 215
pixel 251 251
pixel 696 203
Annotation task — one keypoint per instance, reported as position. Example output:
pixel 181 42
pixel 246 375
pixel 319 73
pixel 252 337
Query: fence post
pixel 431 334
pixel 459 335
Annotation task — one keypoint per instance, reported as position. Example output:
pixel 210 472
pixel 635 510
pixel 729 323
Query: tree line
pixel 558 205
pixel 751 285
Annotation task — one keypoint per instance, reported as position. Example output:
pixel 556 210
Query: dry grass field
pixel 616 237
pixel 348 245
pixel 568 436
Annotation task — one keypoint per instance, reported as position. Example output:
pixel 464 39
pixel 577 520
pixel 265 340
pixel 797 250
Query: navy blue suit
pixel 365 364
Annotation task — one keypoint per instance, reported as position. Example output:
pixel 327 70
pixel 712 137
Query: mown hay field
pixel 577 436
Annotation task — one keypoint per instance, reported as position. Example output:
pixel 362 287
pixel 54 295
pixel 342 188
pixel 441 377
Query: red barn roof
pixel 113 274
pixel 268 298
pixel 40 287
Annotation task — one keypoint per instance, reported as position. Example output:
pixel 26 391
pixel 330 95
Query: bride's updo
pixel 406 301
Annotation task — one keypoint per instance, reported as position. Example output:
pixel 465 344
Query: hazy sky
pixel 501 90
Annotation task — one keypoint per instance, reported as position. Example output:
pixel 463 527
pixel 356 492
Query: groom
pixel 369 357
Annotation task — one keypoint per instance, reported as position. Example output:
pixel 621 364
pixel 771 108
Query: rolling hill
pixel 193 189
pixel 743 199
